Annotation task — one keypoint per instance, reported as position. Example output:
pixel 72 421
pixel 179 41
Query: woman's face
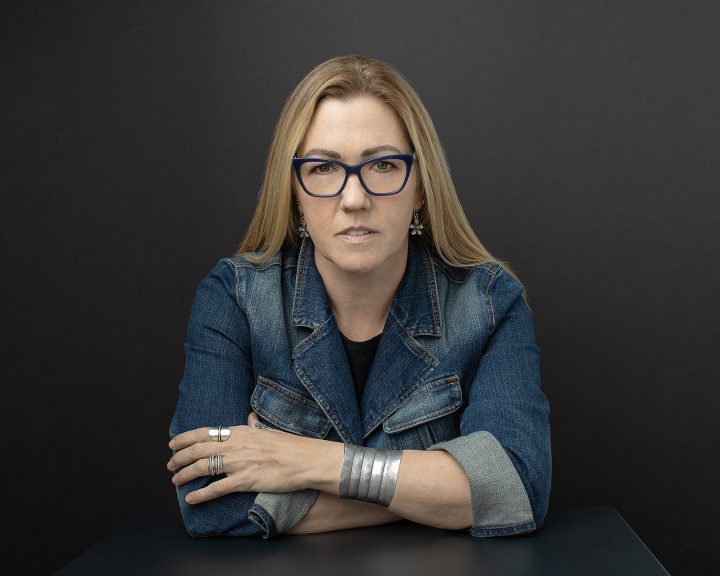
pixel 349 129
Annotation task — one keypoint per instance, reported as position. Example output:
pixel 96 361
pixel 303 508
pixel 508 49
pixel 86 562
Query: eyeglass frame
pixel 355 169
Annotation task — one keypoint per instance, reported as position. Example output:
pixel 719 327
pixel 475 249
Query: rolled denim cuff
pixel 500 504
pixel 277 513
pixel 260 517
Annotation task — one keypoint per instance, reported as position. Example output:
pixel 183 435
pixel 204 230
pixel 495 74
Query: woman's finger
pixel 194 436
pixel 196 470
pixel 189 438
pixel 252 418
pixel 211 491
pixel 191 454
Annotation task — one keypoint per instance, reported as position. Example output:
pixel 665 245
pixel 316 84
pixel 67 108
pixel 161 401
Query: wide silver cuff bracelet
pixel 369 474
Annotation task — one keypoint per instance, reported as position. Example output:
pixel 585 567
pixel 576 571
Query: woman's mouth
pixel 357 234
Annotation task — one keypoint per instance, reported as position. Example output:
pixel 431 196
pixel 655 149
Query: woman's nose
pixel 353 196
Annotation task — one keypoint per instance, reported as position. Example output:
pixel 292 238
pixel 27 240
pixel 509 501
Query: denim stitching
pixel 488 299
pixel 447 409
pixel 337 424
pixel 259 266
pixel 433 290
pixel 305 343
pixel 299 282
pixel 448 271
pixel 526 527
pixel 418 351
pixel 258 394
pixel 290 395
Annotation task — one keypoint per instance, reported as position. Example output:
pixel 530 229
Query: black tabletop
pixel 586 540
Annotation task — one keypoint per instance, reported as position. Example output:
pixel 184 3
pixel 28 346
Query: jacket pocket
pixel 288 410
pixel 422 417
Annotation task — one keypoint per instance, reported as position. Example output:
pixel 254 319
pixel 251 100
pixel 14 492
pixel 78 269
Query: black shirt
pixel 360 356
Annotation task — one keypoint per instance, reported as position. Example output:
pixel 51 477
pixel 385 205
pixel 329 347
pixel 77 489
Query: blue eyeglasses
pixel 381 176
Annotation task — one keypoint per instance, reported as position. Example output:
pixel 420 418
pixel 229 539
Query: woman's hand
pixel 254 460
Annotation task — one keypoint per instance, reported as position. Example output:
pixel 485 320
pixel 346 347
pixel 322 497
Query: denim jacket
pixel 456 369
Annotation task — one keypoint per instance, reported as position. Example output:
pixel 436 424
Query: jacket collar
pixel 416 303
pixel 400 363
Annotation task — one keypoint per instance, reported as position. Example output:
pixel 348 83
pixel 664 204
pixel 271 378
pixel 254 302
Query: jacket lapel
pixel 319 359
pixel 401 362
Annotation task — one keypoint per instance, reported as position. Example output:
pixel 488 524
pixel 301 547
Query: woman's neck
pixel 361 302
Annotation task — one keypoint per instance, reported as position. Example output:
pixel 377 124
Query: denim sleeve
pixel 215 390
pixel 285 509
pixel 504 446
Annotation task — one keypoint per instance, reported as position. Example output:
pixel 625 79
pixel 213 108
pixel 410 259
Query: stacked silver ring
pixel 219 434
pixel 369 474
pixel 215 465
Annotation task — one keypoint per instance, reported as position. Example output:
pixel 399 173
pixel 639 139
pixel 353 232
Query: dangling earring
pixel 416 227
pixel 303 227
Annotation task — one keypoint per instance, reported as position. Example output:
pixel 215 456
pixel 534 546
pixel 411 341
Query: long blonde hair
pixel 276 218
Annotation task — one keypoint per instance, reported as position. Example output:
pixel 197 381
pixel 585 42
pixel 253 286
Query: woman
pixel 362 358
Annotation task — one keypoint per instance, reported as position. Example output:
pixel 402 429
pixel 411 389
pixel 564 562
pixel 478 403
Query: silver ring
pixel 219 434
pixel 260 426
pixel 215 465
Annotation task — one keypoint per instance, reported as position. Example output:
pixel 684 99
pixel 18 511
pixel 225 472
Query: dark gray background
pixel 583 138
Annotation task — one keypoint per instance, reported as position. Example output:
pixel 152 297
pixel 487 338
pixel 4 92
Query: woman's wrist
pixel 369 474
pixel 323 461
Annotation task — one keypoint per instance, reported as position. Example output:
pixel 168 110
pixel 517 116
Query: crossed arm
pixel 494 477
pixel 432 488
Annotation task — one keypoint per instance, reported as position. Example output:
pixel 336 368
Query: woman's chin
pixel 366 260
pixel 361 264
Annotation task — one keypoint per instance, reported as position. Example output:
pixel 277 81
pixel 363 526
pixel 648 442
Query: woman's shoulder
pixel 259 261
pixel 482 271
pixel 238 272
pixel 256 261
pixel 489 281
pixel 483 274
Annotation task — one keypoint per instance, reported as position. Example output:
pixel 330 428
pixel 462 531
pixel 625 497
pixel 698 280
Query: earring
pixel 416 227
pixel 303 228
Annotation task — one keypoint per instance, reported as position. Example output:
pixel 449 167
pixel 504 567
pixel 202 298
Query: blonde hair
pixel 276 219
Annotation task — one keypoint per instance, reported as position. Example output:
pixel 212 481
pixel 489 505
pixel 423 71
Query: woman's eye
pixel 323 168
pixel 384 166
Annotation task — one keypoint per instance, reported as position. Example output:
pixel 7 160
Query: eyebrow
pixel 365 153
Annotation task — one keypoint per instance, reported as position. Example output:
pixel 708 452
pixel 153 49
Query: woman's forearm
pixel 330 512
pixel 432 488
